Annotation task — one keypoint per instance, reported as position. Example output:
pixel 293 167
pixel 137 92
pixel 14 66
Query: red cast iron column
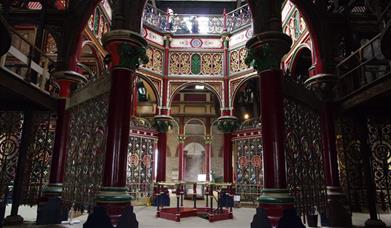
pixel 265 52
pixel 208 153
pixel 127 50
pixel 163 124
pixel 337 211
pixel 65 80
pixel 181 142
pixel 227 124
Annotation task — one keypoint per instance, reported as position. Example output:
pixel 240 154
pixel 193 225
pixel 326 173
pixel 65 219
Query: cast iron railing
pixel 204 24
pixel 25 61
pixel 362 68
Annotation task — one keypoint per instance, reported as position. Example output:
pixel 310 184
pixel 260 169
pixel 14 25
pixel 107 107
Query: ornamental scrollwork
pixel 163 123
pixel 227 124
pixel 131 57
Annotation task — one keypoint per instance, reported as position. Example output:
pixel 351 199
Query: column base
pixel 276 208
pixel 50 208
pixel 115 200
pixel 13 220
pixel 338 213
pixel 375 223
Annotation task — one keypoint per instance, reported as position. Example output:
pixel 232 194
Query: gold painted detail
pixel 237 60
pixel 211 63
pixel 155 60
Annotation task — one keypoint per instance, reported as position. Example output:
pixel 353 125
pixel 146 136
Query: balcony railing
pixel 27 62
pixel 208 24
pixel 362 68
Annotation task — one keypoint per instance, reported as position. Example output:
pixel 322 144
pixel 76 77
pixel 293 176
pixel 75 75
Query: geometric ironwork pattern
pixel 36 173
pixel 86 149
pixel 10 136
pixel 140 165
pixel 379 138
pixel 351 162
pixel 249 167
pixel 304 159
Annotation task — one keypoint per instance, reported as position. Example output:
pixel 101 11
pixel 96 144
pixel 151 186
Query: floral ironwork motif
pixel 249 171
pixel 140 163
pixel 155 57
pixel 185 63
pixel 379 138
pixel 351 163
pixel 86 148
pixel 304 158
pixel 38 157
pixel 10 136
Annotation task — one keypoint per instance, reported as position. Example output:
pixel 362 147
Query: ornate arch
pixel 154 84
pixel 298 51
pixel 215 87
pixel 236 84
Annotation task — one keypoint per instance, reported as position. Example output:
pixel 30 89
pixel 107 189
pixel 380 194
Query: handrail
pixel 180 23
pixel 363 67
pixel 21 62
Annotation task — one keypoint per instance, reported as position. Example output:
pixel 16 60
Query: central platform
pixel 176 214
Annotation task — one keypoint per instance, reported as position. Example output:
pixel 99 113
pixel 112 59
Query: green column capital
pixel 265 50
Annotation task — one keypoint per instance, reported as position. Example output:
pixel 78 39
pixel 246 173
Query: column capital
pixel 70 76
pixel 162 123
pixel 208 139
pixel 266 49
pixel 227 124
pixel 181 138
pixel 322 85
pixel 127 49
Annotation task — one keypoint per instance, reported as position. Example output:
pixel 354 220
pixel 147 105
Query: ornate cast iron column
pixel 265 50
pixel 337 211
pixel 181 156
pixel 163 123
pixel 181 147
pixel 65 79
pixel 127 50
pixel 53 191
pixel 227 124
pixel 208 155
pixel 362 124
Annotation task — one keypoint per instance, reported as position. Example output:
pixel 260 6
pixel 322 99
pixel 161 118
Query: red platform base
pixel 175 215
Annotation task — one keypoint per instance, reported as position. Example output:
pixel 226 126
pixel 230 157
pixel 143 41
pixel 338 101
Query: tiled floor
pixel 146 218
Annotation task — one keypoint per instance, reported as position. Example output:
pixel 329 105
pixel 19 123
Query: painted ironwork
pixel 86 148
pixel 140 160
pixel 10 136
pixel 238 18
pixel 351 163
pixel 38 157
pixel 304 157
pixel 249 169
pixel 379 129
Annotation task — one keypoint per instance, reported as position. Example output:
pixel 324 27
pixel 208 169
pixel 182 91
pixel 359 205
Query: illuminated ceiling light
pixel 200 87
pixel 246 116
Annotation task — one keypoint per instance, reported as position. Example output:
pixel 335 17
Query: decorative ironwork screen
pixel 10 136
pixel 142 144
pixel 36 174
pixel 304 157
pixel 379 130
pixel 86 149
pixel 351 161
pixel 249 170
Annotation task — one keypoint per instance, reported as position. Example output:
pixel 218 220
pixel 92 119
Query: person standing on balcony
pixel 194 25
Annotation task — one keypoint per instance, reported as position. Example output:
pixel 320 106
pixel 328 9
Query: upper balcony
pixel 186 24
